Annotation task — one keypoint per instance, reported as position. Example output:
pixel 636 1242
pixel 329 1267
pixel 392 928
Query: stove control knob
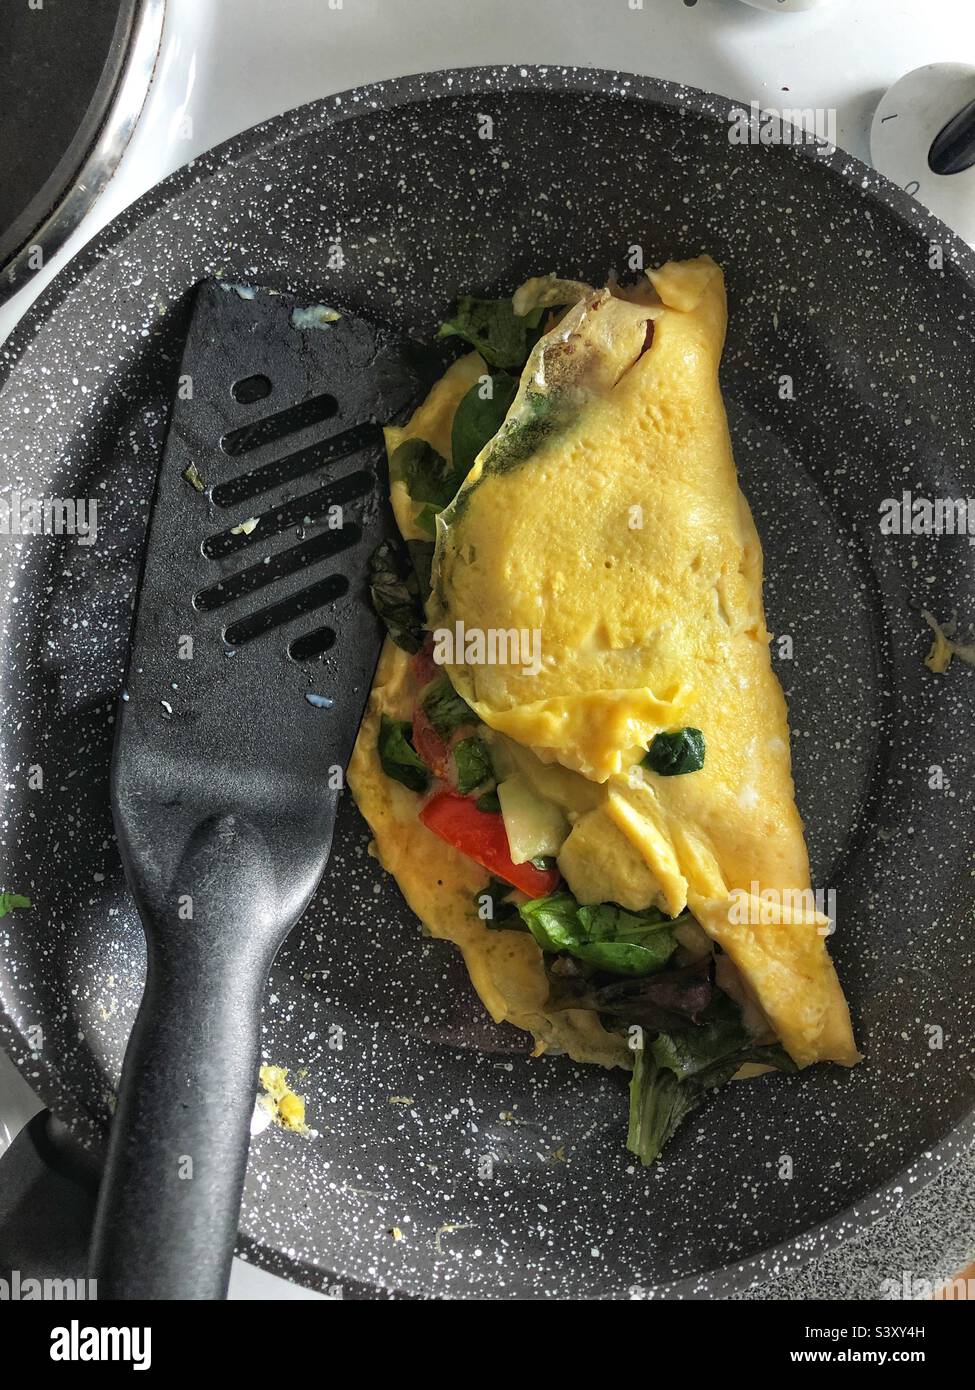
pixel 923 138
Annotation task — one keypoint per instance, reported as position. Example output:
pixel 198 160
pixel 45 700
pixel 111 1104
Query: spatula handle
pixel 170 1198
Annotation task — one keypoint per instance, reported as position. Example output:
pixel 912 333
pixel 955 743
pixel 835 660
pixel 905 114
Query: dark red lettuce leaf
pixel 661 1003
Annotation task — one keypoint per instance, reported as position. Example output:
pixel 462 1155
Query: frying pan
pixel 850 377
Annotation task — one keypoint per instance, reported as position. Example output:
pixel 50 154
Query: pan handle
pixel 169 1202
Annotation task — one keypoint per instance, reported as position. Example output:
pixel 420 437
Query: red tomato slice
pixel 425 669
pixel 434 750
pixel 481 836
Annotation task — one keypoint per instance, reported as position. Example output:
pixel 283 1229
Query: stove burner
pixel 71 89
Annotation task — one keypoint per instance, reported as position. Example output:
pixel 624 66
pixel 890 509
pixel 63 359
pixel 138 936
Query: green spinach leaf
pixel 473 763
pixel 397 755
pixel 503 914
pixel 673 1074
pixel 607 922
pixel 395 593
pixel 428 476
pixel 426 519
pixel 445 709
pixel 626 957
pixel 605 937
pixel 671 755
pixel 659 1102
pixel 478 419
pixel 9 902
pixel 539 416
pixel 421 558
pixel 502 337
pixel 553 921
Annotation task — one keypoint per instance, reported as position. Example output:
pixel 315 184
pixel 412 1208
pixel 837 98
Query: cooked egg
pixel 606 516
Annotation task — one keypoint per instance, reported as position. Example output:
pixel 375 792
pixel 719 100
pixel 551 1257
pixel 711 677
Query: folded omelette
pixel 575 758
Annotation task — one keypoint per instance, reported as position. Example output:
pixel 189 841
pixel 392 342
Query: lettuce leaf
pixel 668 1000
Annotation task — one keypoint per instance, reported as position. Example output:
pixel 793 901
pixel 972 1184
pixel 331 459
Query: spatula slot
pixel 251 388
pixel 309 506
pixel 279 425
pixel 266 619
pixel 312 644
pixel 274 567
pixel 283 470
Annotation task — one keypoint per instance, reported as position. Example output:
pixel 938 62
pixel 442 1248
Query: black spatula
pixel 252 654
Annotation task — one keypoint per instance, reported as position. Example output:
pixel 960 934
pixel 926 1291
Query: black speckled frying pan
pixel 850 378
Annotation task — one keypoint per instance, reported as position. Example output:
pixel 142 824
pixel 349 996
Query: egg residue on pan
pixel 278 1103
pixel 602 524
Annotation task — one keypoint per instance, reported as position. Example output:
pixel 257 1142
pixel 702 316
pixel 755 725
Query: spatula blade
pixel 254 643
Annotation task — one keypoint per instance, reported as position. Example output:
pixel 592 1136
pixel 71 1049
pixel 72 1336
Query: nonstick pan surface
pixel 506 1175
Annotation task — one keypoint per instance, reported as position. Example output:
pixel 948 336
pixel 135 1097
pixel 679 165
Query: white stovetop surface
pixel 227 64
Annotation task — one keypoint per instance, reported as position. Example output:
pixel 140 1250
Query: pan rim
pixel 412 89
pixel 445 85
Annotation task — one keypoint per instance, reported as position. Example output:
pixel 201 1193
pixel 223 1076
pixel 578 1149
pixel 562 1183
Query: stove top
pixel 65 110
